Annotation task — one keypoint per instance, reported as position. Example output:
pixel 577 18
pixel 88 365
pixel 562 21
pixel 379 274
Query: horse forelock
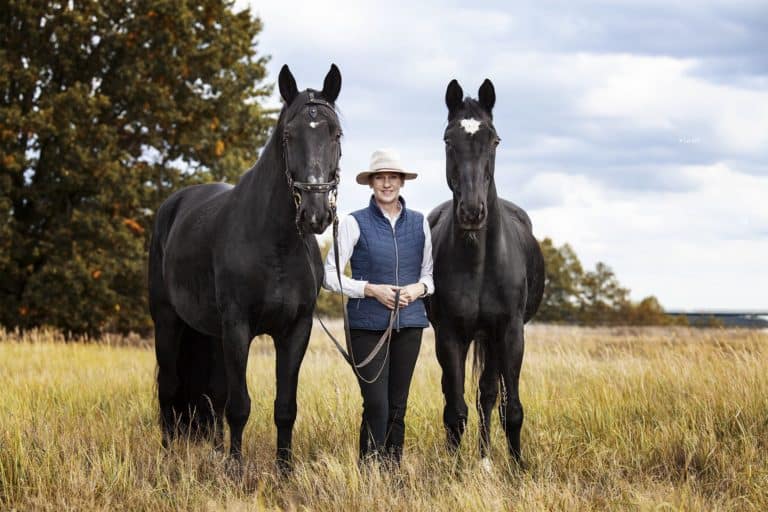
pixel 290 111
pixel 471 108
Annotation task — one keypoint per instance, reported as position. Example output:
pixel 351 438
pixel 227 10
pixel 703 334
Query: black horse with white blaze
pixel 229 263
pixel 488 271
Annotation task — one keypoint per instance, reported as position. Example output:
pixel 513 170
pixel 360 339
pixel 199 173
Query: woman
pixel 390 249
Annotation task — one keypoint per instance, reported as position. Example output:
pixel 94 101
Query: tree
pixel 561 286
pixel 602 297
pixel 106 108
pixel 650 312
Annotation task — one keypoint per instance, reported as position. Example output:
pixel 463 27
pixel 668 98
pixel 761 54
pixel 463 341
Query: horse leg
pixel 236 343
pixel 487 393
pixel 290 350
pixel 452 355
pixel 510 408
pixel 169 329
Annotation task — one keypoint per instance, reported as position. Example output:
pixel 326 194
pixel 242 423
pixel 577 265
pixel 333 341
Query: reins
pixel 332 187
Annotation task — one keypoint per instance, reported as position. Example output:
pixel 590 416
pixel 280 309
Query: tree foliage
pixel 562 284
pixel 105 108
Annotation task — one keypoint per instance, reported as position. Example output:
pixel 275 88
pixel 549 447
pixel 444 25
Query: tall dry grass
pixel 615 419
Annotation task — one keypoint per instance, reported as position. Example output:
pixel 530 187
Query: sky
pixel 635 131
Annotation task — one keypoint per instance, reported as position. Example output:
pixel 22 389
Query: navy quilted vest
pixel 386 256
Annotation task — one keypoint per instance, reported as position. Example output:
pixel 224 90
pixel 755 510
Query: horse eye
pixel 496 141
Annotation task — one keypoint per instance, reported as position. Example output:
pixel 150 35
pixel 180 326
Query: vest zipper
pixel 397 275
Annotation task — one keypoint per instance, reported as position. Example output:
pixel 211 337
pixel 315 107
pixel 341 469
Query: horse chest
pixel 477 299
pixel 477 295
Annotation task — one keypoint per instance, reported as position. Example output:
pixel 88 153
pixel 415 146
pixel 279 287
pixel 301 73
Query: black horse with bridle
pixel 488 272
pixel 229 263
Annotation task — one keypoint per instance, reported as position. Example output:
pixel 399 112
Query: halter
pixel 296 187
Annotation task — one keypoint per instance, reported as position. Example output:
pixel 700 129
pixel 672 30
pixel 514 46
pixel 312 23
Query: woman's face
pixel 386 187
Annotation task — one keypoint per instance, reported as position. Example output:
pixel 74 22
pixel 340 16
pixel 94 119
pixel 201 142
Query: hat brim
pixel 364 176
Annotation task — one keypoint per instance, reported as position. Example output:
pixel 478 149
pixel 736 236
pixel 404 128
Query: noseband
pixel 297 187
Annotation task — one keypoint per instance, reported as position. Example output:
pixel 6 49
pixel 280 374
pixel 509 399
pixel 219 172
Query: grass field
pixel 652 419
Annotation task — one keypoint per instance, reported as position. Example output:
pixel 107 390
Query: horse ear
pixel 332 84
pixel 453 97
pixel 287 83
pixel 487 95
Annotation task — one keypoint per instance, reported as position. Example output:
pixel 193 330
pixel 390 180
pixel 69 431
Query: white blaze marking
pixel 312 124
pixel 470 125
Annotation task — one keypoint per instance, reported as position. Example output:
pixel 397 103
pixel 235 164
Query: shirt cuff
pixel 358 289
pixel 427 285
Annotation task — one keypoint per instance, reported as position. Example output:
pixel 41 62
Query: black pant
pixel 384 402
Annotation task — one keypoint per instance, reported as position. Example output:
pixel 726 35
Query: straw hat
pixel 384 160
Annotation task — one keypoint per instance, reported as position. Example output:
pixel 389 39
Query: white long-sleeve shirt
pixel 349 234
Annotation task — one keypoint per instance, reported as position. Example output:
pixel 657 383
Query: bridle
pixel 297 187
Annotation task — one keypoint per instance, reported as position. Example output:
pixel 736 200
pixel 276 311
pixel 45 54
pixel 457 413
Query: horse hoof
pixel 486 465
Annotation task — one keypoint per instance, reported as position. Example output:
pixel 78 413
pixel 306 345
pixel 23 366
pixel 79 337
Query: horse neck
pixel 474 253
pixel 492 204
pixel 264 197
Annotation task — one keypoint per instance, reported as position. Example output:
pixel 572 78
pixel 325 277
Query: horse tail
pixel 479 353
pixel 196 402
pixel 536 274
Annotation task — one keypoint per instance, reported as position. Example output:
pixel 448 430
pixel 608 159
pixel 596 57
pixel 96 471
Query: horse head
pixel 470 153
pixel 311 148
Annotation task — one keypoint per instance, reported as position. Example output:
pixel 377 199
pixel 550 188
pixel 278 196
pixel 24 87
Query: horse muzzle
pixel 314 219
pixel 471 217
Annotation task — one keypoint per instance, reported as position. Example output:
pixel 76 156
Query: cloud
pixel 656 242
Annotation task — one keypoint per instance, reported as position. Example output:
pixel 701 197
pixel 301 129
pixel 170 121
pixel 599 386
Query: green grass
pixel 661 419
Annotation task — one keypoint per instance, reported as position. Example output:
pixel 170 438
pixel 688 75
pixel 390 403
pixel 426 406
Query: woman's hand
pixel 385 294
pixel 413 291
